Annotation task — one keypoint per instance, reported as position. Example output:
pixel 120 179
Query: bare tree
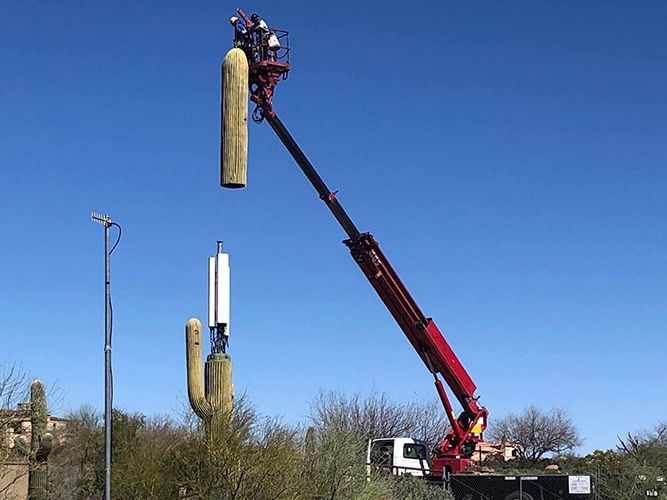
pixel 13 384
pixel 635 468
pixel 140 453
pixel 535 434
pixel 77 458
pixel 375 416
pixel 335 446
pixel 646 447
pixel 427 421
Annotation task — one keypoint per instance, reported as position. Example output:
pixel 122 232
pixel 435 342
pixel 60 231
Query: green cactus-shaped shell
pixel 210 396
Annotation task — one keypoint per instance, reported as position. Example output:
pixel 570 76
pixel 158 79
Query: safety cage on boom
pixel 266 47
pixel 268 52
pixel 259 51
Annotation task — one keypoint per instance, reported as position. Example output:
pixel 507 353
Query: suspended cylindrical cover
pixel 234 120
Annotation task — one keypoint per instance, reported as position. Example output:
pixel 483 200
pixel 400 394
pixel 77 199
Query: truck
pixel 450 459
pixel 400 456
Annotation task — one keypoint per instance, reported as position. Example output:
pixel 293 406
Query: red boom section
pixel 425 337
pixel 422 332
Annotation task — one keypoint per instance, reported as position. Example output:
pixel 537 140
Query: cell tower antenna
pixel 218 300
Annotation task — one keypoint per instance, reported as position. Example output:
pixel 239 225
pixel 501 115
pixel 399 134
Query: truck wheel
pixel 515 495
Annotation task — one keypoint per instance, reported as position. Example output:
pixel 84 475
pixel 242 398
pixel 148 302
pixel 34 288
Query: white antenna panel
pixel 222 291
pixel 211 292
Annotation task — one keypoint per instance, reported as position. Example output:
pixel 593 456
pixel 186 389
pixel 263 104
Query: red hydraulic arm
pixel 453 453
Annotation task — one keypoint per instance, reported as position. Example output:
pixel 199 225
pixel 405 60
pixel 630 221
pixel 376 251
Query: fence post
pixel 597 481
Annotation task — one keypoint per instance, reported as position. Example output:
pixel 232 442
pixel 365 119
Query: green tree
pixel 250 457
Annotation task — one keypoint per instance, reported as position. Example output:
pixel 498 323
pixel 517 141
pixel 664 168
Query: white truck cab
pixel 398 456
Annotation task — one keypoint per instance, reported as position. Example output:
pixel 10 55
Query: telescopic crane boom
pixel 454 451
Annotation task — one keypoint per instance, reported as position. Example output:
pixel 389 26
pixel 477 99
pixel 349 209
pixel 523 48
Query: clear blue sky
pixel 510 157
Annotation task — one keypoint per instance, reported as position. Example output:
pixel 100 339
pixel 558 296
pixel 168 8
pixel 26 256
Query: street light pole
pixel 106 221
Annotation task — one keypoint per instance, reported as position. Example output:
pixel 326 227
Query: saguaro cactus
pixel 234 120
pixel 310 442
pixel 40 444
pixel 212 399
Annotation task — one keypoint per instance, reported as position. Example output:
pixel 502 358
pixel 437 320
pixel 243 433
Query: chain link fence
pixel 645 482
pixel 544 487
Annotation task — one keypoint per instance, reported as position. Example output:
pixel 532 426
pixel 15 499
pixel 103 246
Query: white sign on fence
pixel 579 484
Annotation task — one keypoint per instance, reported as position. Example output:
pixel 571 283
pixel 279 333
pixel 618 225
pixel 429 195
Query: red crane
pixel 453 453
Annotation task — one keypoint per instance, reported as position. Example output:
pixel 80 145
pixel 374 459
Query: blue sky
pixel 509 157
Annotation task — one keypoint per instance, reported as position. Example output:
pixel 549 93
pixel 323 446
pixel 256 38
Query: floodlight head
pixel 103 219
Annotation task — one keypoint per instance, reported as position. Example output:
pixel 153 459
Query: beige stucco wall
pixel 13 482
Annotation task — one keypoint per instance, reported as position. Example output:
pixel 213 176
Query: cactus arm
pixel 196 395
